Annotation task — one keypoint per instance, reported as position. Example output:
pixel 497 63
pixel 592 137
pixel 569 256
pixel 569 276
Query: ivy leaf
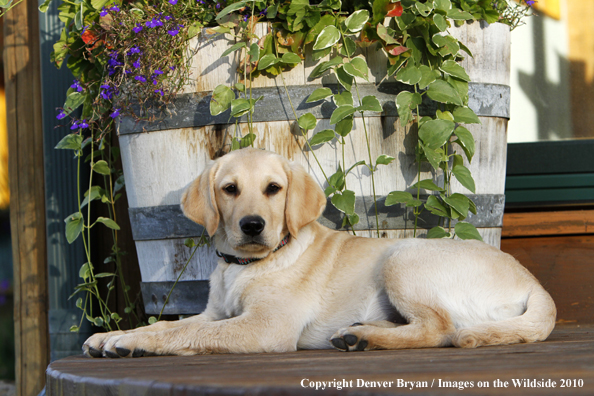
pixel 444 115
pixel 307 121
pixel 322 67
pixel 267 61
pixel 291 58
pixel 467 231
pixel 344 201
pixel 464 177
pixel 435 133
pixel 254 51
pixel 356 21
pixel 322 137
pixel 442 5
pixel 221 99
pixel 459 15
pixel 440 22
pixel 229 9
pixel 327 38
pixel 437 232
pixel 405 102
pixel 74 226
pixel 42 8
pixel 465 115
pixel 384 160
pixel 424 8
pixel 427 184
pixel 357 68
pixel 442 91
pixel 343 98
pixel 240 107
pixel 466 141
pixel 432 156
pixel 101 167
pixel 319 94
pixel 454 69
pixel 73 102
pixel 409 75
pixel 396 197
pixel 344 78
pixel 341 112
pixel 349 47
pixel 385 35
pixel 336 181
pixel 459 203
pixel 234 48
pixel 108 222
pixel 92 194
pixel 152 320
pixel 428 75
pixel 370 103
pixel 344 126
pixel 434 206
pixel 70 142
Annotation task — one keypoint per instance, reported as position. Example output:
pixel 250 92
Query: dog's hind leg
pixel 428 328
pixel 378 323
pixel 534 325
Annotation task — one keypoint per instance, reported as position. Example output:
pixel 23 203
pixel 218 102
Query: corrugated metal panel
pixel 64 260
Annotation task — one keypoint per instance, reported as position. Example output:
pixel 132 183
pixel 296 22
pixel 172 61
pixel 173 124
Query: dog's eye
pixel 231 189
pixel 272 189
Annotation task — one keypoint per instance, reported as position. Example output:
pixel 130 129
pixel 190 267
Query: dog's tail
pixel 533 325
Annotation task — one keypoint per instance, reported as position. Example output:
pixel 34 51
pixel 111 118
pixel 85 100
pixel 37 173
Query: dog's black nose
pixel 252 225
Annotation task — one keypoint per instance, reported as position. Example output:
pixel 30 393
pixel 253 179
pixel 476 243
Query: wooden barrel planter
pixel 161 159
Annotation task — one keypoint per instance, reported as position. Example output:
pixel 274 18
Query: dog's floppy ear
pixel 305 199
pixel 198 202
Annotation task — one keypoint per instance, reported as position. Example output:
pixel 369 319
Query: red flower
pixel 88 37
pixel 394 9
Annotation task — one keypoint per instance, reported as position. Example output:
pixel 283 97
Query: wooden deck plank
pixel 567 354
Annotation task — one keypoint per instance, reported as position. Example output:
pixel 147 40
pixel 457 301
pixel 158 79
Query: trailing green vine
pixel 115 52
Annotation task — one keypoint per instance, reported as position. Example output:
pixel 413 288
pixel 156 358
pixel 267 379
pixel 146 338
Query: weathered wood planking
pixel 564 222
pixel 567 354
pixel 159 165
pixel 27 206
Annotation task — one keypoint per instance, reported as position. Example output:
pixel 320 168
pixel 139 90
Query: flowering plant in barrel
pixel 129 58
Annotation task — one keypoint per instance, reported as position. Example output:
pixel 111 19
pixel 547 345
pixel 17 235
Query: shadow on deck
pixel 566 360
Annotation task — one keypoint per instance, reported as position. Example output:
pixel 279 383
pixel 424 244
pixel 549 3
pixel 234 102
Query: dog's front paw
pixel 351 339
pixel 93 346
pixel 132 345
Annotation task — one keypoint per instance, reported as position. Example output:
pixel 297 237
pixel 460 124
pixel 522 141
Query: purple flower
pixel 84 29
pixel 76 86
pixel 263 12
pixel 107 92
pixel 159 91
pixel 530 3
pixel 137 28
pixel 173 2
pixel 245 18
pixel 103 12
pixel 115 8
pixel 83 124
pixel 168 18
pixel 173 31
pixel 218 6
pixel 172 67
pixel 158 72
pixel 74 125
pixel 140 78
pixel 136 63
pixel 61 115
pixel 134 50
pixel 115 113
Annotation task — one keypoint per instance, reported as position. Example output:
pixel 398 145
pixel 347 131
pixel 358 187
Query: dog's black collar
pixel 229 259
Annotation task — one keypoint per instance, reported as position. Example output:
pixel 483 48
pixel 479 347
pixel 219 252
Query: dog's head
pixel 251 199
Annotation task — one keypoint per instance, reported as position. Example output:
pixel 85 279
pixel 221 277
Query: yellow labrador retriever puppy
pixel 285 282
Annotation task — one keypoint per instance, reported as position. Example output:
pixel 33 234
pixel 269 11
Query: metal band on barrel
pixel 193 110
pixel 168 221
